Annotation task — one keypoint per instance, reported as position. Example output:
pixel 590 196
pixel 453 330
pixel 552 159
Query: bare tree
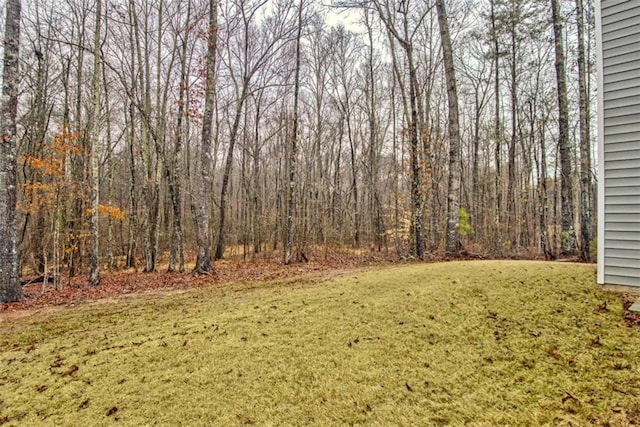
pixel 497 131
pixel 585 140
pixel 373 161
pixel 453 192
pixel 256 52
pixel 176 255
pixel 293 149
pixel 345 85
pixel 568 242
pixel 404 37
pixel 203 258
pixel 478 75
pixel 94 275
pixel 209 99
pixel 10 289
pixel 538 110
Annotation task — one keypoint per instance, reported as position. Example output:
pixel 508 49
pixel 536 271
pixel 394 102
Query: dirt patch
pixel 8 316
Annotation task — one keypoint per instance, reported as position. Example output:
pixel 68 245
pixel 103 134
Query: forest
pixel 154 134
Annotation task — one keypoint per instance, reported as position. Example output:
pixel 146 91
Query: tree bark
pixel 416 175
pixel 293 150
pixel 176 255
pixel 568 241
pixel 374 167
pixel 497 134
pixel 585 140
pixel 94 274
pixel 203 258
pixel 453 194
pixel 543 194
pixel 10 289
pixel 512 191
pixel 133 201
pixel 79 161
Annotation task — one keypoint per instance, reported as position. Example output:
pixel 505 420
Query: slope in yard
pixel 479 343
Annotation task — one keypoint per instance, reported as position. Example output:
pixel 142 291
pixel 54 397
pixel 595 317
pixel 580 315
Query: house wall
pixel 618 31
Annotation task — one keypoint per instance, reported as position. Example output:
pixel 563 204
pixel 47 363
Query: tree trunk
pixel 476 211
pixel 233 137
pixel 176 255
pixel 255 181
pixel 203 258
pixel 414 150
pixel 10 289
pixel 293 150
pixel 543 215
pixel 497 134
pixel 453 194
pixel 416 176
pixel 375 204
pixel 94 171
pixel 141 91
pixel 354 177
pixel 133 202
pixel 111 261
pixel 76 224
pixel 568 240
pixel 512 192
pixel 585 141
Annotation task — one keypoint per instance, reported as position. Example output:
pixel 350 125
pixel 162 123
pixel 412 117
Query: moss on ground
pixel 460 343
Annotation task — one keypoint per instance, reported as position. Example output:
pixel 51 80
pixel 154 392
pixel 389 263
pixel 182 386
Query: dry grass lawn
pixel 461 343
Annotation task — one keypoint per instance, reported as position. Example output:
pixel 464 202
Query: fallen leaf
pixel 569 396
pixel 244 420
pixel 602 307
pixel 551 351
pixel 72 370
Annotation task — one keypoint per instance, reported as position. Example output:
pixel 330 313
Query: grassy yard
pixel 460 343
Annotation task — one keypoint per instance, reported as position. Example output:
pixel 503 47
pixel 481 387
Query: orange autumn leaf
pixel 112 212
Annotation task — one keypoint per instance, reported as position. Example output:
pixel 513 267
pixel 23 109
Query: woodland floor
pixel 130 283
pixel 133 283
pixel 454 343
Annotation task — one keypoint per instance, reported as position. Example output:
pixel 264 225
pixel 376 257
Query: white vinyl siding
pixel 619 158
